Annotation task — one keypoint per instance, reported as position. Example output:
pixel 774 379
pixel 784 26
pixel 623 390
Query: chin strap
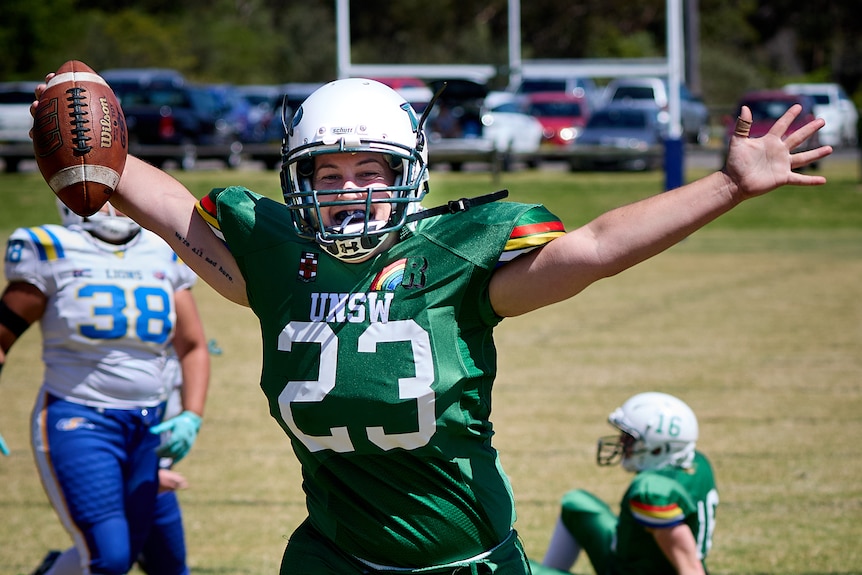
pixel 455 206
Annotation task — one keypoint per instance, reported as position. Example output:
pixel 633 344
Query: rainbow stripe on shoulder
pixel 657 516
pixel 529 236
pixel 208 211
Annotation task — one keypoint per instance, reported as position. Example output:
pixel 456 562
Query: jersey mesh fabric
pixel 381 374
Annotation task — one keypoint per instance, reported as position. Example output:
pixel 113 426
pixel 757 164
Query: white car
pixel 15 123
pixel 833 105
pixel 512 129
pixel 493 126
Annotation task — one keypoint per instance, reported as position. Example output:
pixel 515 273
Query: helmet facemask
pixel 354 116
pixel 612 449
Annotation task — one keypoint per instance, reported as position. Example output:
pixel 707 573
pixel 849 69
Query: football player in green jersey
pixel 377 315
pixel 667 515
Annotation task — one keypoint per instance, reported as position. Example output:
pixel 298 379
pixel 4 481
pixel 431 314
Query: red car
pixel 769 105
pixel 561 114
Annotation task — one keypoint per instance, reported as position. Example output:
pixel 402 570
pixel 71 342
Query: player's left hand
pixel 3 447
pixel 759 165
pixel 182 431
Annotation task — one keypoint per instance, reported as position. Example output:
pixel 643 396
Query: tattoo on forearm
pixel 203 257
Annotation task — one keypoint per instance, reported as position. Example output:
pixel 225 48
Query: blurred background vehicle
pixel 832 104
pixel 620 137
pixel 562 115
pixel 397 83
pixel 182 123
pixel 142 77
pixel 263 100
pixel 454 125
pixel 236 110
pixel 515 133
pixel 284 101
pixel 766 107
pixel 15 123
pixel 170 119
pixel 694 115
pixel 574 86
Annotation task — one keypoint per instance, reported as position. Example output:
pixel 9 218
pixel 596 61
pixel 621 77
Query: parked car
pixel 15 123
pixel 264 99
pixel 574 86
pixel 694 115
pixel 454 127
pixel 515 133
pixel 233 106
pixel 562 115
pixel 285 101
pixel 832 104
pixel 620 137
pixel 396 83
pixel 177 122
pixel 766 107
pixel 142 77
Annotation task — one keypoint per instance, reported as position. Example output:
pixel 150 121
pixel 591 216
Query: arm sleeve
pixel 658 502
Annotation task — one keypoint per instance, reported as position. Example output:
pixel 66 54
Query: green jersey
pixel 660 499
pixel 381 373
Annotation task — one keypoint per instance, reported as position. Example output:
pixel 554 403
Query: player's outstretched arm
pixel 625 236
pixel 162 204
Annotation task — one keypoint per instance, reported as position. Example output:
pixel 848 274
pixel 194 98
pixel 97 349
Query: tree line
pixel 743 44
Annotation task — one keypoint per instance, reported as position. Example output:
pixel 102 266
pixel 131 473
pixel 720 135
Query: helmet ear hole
pixel 395 162
pixel 305 168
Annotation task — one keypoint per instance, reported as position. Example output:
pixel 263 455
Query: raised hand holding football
pixel 80 138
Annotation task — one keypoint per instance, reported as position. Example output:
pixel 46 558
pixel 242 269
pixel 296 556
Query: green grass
pixel 756 321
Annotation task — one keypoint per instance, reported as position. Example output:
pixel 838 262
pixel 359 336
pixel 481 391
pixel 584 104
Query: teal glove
pixel 3 448
pixel 180 434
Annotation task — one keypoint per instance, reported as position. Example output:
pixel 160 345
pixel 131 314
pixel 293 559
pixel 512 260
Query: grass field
pixel 755 321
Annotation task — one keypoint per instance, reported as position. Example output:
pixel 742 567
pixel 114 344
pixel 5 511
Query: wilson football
pixel 79 138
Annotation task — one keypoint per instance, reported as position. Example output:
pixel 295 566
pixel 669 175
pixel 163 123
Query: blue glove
pixel 3 448
pixel 181 432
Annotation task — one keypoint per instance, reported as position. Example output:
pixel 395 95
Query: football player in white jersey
pixel 110 298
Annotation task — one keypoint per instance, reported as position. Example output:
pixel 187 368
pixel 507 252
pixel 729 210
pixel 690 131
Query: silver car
pixel 694 115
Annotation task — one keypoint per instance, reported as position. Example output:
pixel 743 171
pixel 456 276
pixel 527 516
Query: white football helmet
pixel 658 430
pixel 354 115
pixel 106 224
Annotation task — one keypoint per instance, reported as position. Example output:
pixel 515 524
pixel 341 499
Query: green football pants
pixel 310 553
pixel 592 523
